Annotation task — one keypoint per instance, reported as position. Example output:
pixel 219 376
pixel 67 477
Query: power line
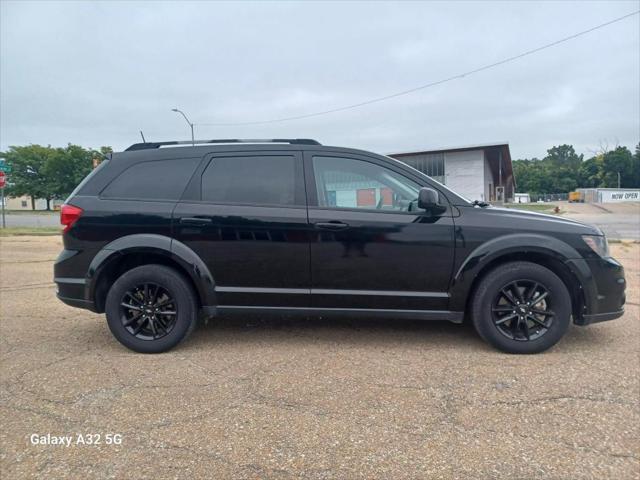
pixel 428 85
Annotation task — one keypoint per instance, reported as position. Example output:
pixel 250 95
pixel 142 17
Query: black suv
pixel 164 233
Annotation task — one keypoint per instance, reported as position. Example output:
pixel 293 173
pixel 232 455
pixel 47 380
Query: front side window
pixel 350 183
pixel 256 180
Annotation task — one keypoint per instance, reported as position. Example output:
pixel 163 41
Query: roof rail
pixel 293 141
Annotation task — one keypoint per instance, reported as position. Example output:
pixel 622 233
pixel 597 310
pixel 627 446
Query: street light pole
pixel 193 141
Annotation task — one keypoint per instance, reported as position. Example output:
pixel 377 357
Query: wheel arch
pixel 551 253
pixel 132 251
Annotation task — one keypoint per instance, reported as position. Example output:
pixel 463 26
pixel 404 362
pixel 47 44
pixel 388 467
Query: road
pixel 33 219
pixel 274 398
pixel 618 221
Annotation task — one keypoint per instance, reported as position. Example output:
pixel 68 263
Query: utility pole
pixel 193 141
pixel 618 180
pixel 4 223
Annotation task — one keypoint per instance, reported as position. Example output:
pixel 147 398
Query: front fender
pixel 174 250
pixel 518 243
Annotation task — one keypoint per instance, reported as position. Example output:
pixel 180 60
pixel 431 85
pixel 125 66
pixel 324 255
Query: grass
pixel 37 231
pixel 533 207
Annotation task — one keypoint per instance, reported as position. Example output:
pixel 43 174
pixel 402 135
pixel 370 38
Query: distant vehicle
pixel 576 197
pixel 158 236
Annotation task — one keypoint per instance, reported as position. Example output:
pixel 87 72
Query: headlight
pixel 598 244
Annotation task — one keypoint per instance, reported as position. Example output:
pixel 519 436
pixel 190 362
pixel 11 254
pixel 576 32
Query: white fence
pixel 610 195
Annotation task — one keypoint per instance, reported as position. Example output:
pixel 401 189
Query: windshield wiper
pixel 480 203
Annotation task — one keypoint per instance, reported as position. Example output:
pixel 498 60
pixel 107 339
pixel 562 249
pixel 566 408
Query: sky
pixel 96 73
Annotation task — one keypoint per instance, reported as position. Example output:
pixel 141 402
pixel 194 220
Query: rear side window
pixel 155 180
pixel 86 179
pixel 261 180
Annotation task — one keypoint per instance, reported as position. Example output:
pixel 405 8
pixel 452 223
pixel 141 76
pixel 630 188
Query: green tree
pixel 635 167
pixel 564 156
pixel 589 172
pixel 47 172
pixel 618 162
pixel 28 176
pixel 66 168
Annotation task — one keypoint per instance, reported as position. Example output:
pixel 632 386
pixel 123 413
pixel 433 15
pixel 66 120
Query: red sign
pixel 3 179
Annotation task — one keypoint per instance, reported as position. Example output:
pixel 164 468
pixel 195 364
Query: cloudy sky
pixel 96 73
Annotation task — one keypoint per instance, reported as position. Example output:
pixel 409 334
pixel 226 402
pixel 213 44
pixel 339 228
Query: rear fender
pixel 158 245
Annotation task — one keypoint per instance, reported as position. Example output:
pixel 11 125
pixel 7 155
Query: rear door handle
pixel 332 225
pixel 195 220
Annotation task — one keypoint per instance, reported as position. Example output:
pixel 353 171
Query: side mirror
pixel 428 199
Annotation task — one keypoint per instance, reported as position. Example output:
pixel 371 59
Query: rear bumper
pixel 72 292
pixel 77 302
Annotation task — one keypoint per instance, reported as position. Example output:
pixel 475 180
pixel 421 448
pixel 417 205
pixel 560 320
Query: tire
pixel 160 325
pixel 530 321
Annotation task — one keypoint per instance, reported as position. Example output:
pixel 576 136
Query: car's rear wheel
pixel 150 309
pixel 521 307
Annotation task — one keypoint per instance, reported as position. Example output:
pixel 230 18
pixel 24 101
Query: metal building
pixel 478 172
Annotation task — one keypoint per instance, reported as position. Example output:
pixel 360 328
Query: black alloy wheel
pixel 521 310
pixel 148 311
pixel 521 307
pixel 151 308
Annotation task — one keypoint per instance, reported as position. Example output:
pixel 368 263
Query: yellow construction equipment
pixel 576 197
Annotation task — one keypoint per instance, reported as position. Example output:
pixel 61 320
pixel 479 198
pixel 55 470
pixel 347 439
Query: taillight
pixel 69 214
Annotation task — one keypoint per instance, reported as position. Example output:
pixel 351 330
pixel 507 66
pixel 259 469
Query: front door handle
pixel 195 220
pixel 332 225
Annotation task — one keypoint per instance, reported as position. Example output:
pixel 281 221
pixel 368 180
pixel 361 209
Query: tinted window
pixel 349 183
pixel 159 180
pixel 262 180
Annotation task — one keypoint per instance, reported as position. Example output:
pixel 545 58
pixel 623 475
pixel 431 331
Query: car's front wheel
pixel 150 309
pixel 521 307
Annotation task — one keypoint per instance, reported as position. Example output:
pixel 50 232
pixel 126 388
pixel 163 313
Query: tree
pixel 564 156
pixel 46 172
pixel 589 172
pixel 618 162
pixel 28 176
pixel 66 168
pixel 562 170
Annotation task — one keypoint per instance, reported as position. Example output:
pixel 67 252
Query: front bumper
pixel 604 291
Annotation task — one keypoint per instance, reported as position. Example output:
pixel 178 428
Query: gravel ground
pixel 283 399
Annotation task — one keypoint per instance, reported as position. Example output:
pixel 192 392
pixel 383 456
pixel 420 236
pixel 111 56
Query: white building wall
pixel 465 173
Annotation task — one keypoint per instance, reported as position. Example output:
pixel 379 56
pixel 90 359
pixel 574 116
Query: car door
pixel 371 247
pixel 245 215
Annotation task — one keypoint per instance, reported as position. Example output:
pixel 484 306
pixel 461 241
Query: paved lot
pixel 318 399
pixel 33 219
pixel 616 220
